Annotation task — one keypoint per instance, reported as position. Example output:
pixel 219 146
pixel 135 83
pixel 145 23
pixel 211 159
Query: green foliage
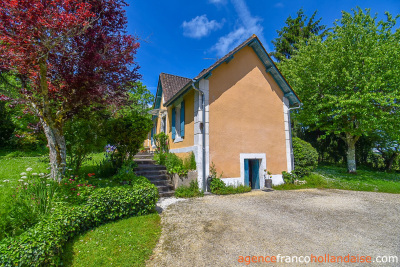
pixel 84 134
pixel 335 177
pixel 189 163
pixel 128 242
pixel 216 185
pixel 192 190
pixel 289 177
pixel 296 31
pixel 140 100
pixel 6 125
pixel 175 164
pixel 32 198
pixel 42 244
pixel 349 82
pixel 305 157
pixel 126 175
pixel 161 142
pixel 127 133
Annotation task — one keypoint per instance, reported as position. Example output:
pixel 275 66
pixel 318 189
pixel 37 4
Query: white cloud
pixel 200 26
pixel 217 2
pixel 246 26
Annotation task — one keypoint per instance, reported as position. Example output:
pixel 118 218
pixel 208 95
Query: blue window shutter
pixel 182 119
pixel 173 124
pixel 256 174
pixel 246 172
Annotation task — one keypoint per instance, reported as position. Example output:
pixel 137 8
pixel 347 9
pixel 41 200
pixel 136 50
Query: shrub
pixel 288 177
pixel 217 186
pixel 161 142
pixel 189 163
pixel 192 190
pixel 83 135
pixel 127 175
pixel 42 244
pixel 127 133
pixel 174 164
pixel 305 157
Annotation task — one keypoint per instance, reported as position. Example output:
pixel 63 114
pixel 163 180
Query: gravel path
pixel 217 230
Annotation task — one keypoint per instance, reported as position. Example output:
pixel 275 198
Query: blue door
pixel 246 172
pixel 252 173
pixel 255 171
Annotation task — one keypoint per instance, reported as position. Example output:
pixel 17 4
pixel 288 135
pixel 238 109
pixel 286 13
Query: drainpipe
pixel 204 134
pixel 290 134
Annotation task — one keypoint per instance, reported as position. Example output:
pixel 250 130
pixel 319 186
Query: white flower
pixel 41 174
pixel 34 174
pixel 25 183
pixel 29 169
pixel 24 177
pixel 6 181
pixel 47 184
pixel 70 169
pixel 20 180
pixel 23 173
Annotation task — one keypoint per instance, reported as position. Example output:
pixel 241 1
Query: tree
pixel 297 30
pixel 350 82
pixel 67 55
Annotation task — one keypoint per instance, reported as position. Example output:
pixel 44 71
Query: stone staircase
pixel 157 174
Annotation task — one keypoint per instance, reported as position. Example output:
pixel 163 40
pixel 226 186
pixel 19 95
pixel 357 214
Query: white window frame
pixel 178 137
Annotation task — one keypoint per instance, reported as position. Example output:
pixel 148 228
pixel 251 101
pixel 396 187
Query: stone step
pixel 167 194
pixel 161 183
pixel 143 156
pixel 151 172
pixel 142 167
pixel 165 188
pixel 156 177
pixel 144 161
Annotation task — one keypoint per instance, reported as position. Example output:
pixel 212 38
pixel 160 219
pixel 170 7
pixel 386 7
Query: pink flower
pixel 78 194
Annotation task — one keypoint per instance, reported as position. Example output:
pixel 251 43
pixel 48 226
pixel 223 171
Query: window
pixel 178 122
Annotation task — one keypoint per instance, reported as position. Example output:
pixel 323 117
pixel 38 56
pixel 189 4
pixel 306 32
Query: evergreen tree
pixel 297 30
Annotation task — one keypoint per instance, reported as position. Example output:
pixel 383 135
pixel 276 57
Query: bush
pixel 127 134
pixel 161 142
pixel 217 186
pixel 83 135
pixel 42 244
pixel 192 190
pixel 288 177
pixel 305 157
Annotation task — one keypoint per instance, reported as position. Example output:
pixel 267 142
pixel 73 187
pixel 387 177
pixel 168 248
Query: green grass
pixel 231 189
pixel 330 176
pixel 127 242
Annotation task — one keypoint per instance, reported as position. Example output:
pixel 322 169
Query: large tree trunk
pixel 390 160
pixel 57 150
pixel 351 152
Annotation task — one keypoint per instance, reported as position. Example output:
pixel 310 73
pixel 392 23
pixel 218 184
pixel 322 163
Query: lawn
pixel 127 242
pixel 330 176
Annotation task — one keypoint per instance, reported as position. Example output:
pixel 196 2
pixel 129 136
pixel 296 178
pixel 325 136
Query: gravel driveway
pixel 217 230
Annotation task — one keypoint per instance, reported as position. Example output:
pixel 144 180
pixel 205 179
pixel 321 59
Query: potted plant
pixel 268 179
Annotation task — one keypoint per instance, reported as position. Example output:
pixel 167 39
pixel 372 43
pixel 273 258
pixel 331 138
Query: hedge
pixel 305 157
pixel 42 244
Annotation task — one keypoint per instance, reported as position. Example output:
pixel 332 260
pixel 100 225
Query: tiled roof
pixel 205 71
pixel 171 84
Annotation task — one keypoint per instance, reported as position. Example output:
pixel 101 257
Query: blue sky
pixel 184 37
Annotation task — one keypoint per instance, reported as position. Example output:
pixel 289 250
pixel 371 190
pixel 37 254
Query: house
pixel 234 114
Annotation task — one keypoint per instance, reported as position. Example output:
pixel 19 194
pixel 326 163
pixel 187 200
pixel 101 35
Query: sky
pixel 184 37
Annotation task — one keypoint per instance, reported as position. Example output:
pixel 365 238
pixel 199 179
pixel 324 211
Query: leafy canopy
pixel 295 31
pixel 350 82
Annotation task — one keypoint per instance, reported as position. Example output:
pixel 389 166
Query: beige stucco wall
pixel 188 140
pixel 246 115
